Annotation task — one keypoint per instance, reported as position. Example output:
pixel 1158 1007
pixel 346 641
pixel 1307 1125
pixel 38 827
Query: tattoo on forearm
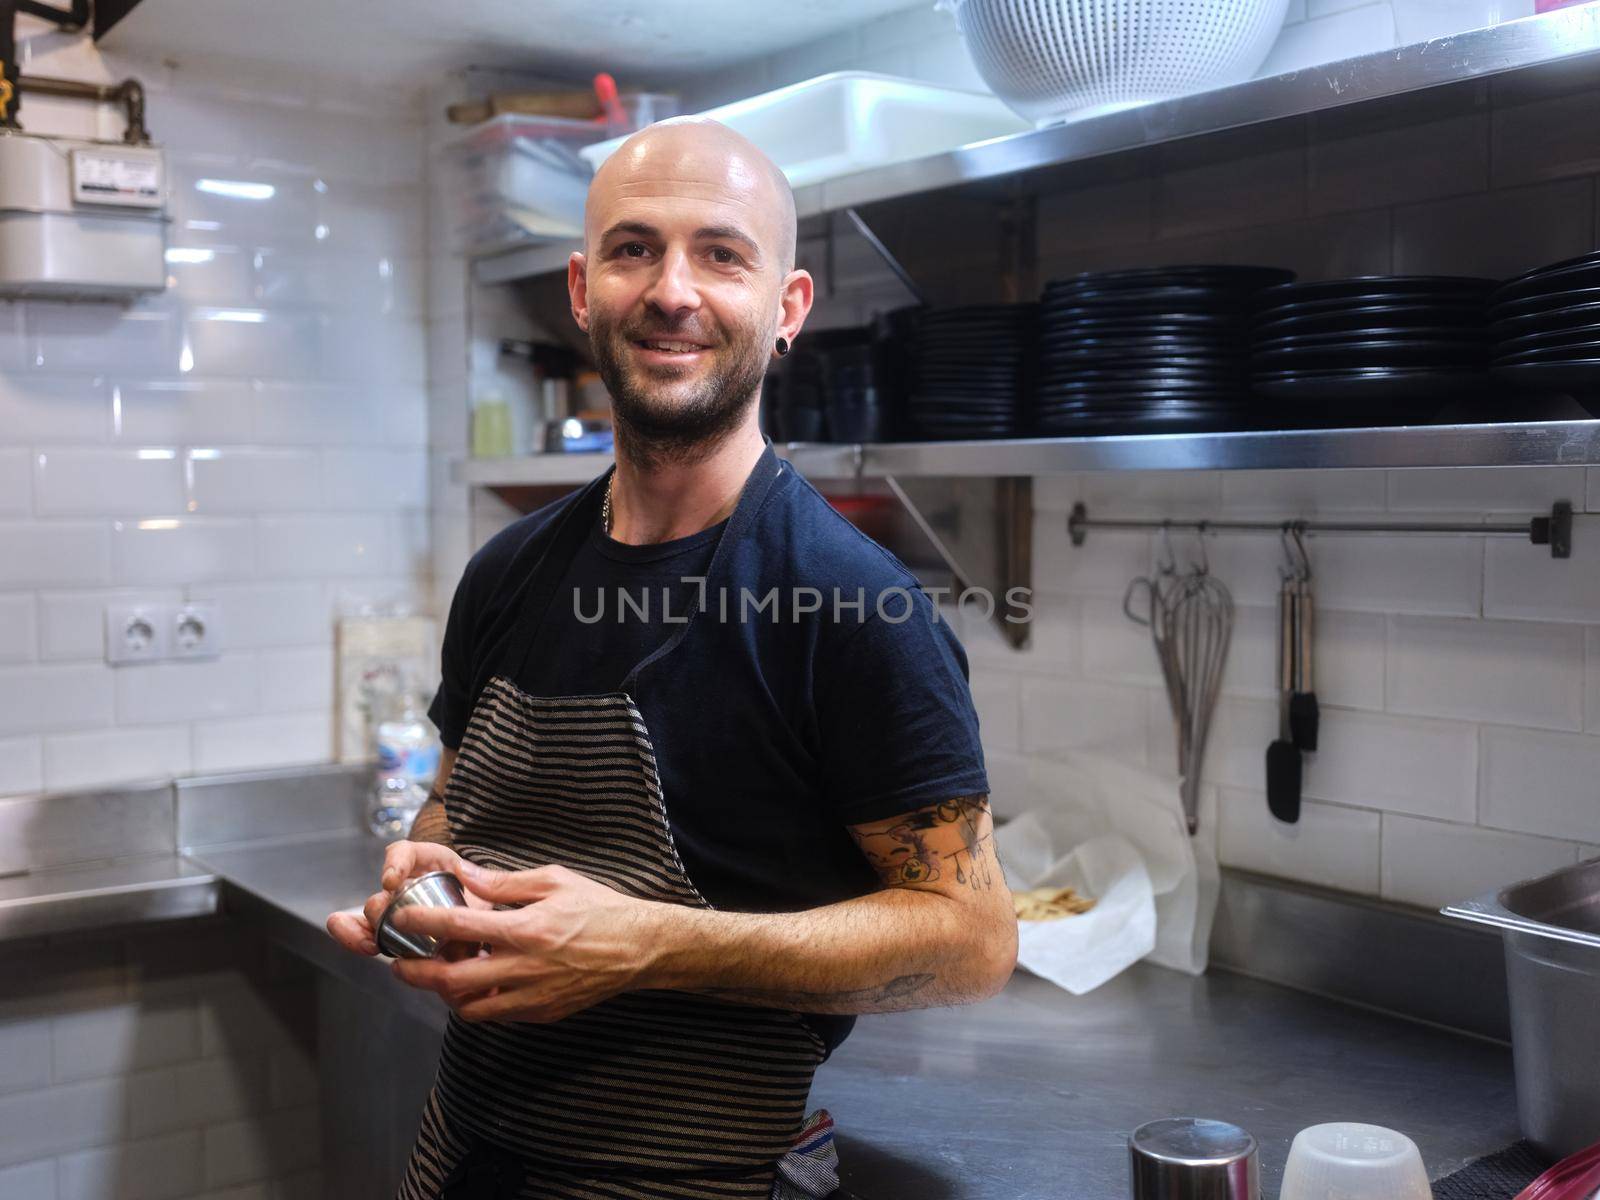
pixel 918 848
pixel 430 823
pixel 899 988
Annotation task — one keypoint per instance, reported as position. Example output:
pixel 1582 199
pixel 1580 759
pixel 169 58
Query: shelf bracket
pixel 983 530
pixel 883 252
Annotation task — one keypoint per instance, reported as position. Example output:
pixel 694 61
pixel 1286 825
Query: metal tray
pixel 1551 930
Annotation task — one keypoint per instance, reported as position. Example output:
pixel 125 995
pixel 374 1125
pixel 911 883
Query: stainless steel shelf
pixel 1523 46
pixel 1519 46
pixel 1548 443
pixel 525 262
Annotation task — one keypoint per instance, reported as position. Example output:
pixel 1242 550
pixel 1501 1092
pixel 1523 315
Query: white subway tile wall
pixel 256 436
pixel 167 1064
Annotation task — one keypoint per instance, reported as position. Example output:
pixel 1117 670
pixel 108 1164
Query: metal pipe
pixel 8 64
pixel 129 93
pixel 1520 528
pixel 72 19
pixel 1554 530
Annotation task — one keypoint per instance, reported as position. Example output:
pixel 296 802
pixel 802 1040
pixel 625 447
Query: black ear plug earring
pixel 783 346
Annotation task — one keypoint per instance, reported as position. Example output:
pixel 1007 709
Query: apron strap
pixel 767 469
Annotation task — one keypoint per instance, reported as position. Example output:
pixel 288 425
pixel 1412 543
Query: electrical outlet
pixel 196 631
pixel 136 633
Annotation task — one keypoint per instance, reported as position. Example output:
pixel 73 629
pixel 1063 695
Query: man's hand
pixel 402 861
pixel 573 943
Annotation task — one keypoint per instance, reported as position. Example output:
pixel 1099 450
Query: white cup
pixel 1346 1161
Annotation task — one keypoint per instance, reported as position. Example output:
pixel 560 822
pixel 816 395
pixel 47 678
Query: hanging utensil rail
pixel 1554 530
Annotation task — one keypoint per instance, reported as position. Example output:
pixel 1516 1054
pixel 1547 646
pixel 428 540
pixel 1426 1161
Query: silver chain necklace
pixel 605 509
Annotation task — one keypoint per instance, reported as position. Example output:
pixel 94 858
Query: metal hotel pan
pixel 1551 928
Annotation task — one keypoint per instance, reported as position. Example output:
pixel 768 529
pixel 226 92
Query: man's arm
pixel 940 931
pixel 430 825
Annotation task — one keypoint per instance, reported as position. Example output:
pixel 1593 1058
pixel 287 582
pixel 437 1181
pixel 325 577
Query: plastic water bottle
pixel 408 761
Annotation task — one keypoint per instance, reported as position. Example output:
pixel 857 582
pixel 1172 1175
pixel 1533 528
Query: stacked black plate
pixel 1146 350
pixel 1378 347
pixel 1546 329
pixel 968 369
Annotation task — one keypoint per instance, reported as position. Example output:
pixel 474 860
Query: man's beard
pixel 689 428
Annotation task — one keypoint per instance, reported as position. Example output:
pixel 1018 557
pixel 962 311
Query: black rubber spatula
pixel 1283 759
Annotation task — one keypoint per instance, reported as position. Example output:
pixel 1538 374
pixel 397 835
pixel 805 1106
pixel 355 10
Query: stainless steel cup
pixel 1187 1158
pixel 437 889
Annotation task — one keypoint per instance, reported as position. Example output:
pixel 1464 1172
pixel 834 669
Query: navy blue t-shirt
pixel 776 721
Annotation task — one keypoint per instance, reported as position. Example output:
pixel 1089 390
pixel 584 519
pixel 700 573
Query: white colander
pixel 1054 60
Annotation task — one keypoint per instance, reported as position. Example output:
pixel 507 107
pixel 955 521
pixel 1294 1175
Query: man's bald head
pixel 694 156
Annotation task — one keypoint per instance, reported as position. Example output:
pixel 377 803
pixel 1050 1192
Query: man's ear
pixel 795 303
pixel 578 289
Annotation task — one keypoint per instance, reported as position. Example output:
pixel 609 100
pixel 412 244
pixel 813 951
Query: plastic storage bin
pixel 516 180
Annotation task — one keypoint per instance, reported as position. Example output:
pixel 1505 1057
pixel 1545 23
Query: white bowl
pixel 1054 60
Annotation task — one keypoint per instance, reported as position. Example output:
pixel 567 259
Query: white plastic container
pixel 514 180
pixel 847 121
pixel 1347 1161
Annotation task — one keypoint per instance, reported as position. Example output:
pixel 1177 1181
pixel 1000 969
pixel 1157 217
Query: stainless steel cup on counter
pixel 1188 1158
pixel 437 889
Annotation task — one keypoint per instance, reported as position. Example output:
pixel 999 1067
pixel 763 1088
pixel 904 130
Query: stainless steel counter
pixel 1031 1094
pixel 161 887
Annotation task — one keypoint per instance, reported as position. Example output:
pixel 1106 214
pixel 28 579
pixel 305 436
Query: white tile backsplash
pixel 55 698
pixel 73 409
pixel 73 483
pixel 1426 768
pixel 1509 672
pixel 83 760
pixel 174 411
pixel 18 639
pixel 170 1166
pixel 108 1041
pixel 1544 783
pixel 166 550
pixel 356 480
pixel 21 765
pixel 16 498
pixel 1340 35
pixel 1523 491
pixel 253 480
pixel 1432 863
pixel 296 680
pixel 1525 582
pixel 1060 715
pixel 326 545
pixel 1285 494
pixel 1398 574
pixel 263 615
pixel 54 554
pixel 157 693
pixel 1329 845
pixel 274 740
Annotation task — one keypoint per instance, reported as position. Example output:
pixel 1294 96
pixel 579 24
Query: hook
pixel 1300 549
pixel 1204 567
pixel 1127 602
pixel 1291 567
pixel 1169 564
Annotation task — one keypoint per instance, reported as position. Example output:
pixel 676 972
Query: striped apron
pixel 648 1094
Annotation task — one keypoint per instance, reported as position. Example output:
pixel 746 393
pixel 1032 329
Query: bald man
pixel 712 776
